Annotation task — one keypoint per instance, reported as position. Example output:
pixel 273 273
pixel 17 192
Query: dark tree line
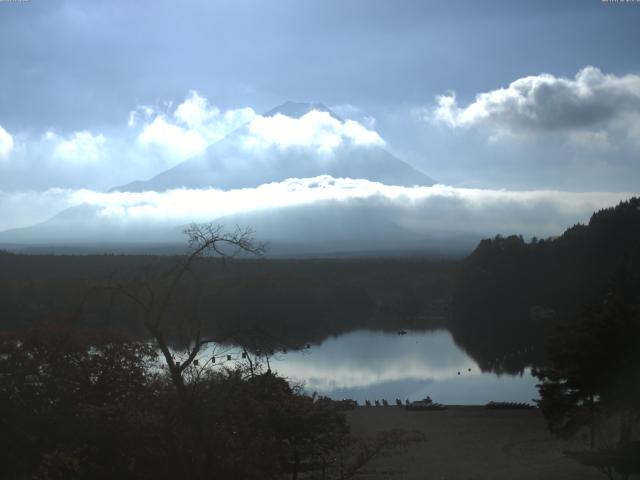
pixel 304 300
pixel 576 299
pixel 511 293
pixel 590 386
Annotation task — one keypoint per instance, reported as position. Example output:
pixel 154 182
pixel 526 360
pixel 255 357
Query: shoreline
pixel 469 442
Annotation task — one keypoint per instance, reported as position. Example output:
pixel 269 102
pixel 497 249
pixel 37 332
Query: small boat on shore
pixel 425 405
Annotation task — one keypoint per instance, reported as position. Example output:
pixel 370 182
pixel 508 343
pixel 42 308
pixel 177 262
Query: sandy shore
pixel 470 443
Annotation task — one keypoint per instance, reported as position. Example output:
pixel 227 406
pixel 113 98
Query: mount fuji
pixel 229 164
pixel 321 153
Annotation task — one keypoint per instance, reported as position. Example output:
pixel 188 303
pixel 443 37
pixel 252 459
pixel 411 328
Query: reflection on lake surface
pixel 374 365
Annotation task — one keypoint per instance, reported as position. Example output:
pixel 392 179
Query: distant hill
pixel 83 224
pixel 519 290
pixel 226 165
pixel 320 229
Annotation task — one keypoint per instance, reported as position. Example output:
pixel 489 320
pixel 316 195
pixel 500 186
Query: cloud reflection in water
pixel 368 365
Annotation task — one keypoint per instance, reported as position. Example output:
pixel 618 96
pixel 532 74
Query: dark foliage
pixel 511 294
pixel 595 366
pixel 592 382
pixel 514 297
pixel 77 407
pixel 625 459
pixel 296 301
pixel 80 407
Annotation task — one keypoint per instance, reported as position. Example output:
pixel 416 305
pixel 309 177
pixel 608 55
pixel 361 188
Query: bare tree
pixel 205 241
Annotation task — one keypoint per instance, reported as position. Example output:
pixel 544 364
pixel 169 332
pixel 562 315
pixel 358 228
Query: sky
pixel 491 96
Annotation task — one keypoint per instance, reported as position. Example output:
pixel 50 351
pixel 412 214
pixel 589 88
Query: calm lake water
pixel 375 365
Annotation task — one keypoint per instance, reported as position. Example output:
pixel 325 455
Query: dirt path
pixel 470 443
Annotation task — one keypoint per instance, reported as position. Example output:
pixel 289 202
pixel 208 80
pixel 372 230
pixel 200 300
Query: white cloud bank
pixel 436 210
pixel 190 128
pixel 157 138
pixel 6 143
pixel 79 147
pixel 587 108
pixel 318 130
pixel 195 124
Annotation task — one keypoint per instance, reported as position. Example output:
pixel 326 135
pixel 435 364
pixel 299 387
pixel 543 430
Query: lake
pixel 373 365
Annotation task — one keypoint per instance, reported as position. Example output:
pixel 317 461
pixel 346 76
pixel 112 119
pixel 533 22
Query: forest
pixel 511 293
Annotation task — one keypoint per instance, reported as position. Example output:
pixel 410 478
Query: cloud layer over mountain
pixel 298 210
pixel 158 137
pixel 189 128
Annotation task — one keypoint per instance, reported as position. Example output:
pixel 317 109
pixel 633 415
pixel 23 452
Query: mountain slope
pixel 232 165
pixel 319 229
pixel 228 164
pixel 85 224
